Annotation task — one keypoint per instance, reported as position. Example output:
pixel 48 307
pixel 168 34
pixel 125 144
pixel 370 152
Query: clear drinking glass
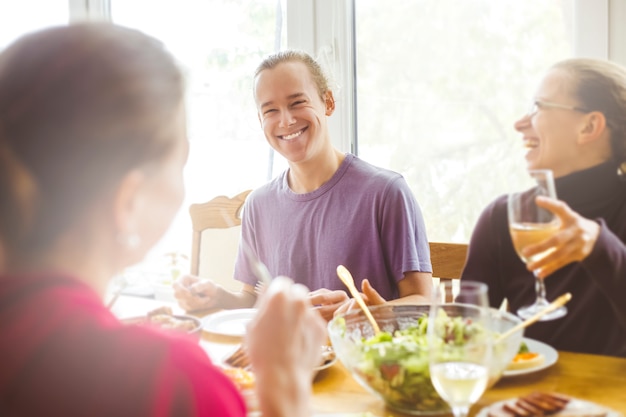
pixel 530 224
pixel 460 343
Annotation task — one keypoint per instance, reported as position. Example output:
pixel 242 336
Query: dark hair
pixel 291 55
pixel 80 107
pixel 600 85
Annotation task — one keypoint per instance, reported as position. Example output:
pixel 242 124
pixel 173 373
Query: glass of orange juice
pixel 530 224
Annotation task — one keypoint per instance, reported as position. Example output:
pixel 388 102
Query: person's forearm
pixel 410 299
pixel 283 393
pixel 230 300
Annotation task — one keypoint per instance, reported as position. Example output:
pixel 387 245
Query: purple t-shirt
pixel 365 218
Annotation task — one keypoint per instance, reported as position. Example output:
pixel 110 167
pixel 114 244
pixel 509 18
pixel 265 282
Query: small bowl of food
pixel 244 380
pixel 164 318
pixel 394 364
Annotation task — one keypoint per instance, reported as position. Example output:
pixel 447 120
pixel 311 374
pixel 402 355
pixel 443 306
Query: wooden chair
pixel 216 228
pixel 448 259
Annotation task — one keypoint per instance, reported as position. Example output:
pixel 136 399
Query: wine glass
pixel 530 224
pixel 460 343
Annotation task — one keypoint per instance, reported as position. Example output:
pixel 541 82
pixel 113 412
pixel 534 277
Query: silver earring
pixel 621 171
pixel 129 241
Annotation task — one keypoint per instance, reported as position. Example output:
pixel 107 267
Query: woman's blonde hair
pixel 600 85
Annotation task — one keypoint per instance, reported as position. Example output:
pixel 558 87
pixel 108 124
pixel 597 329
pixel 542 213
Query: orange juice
pixel 525 234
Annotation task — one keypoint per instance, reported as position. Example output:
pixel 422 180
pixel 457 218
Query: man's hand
pixel 193 293
pixel 369 294
pixel 326 301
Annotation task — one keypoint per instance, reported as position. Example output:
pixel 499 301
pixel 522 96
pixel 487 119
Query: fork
pixel 259 288
pixel 258 268
pixel 118 292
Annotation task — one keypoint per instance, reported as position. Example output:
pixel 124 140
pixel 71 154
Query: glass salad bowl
pixel 394 364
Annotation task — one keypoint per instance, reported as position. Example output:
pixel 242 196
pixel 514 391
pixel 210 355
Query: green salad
pixel 523 348
pixel 397 364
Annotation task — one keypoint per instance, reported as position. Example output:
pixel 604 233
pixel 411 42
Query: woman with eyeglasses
pixel 577 129
pixel 92 147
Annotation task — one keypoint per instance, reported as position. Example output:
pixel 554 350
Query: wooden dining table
pixel 596 378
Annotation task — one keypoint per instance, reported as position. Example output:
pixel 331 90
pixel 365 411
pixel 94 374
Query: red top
pixel 62 353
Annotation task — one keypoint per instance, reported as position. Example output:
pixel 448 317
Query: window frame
pixel 591 38
pixel 90 10
pixel 326 28
pixel 332 25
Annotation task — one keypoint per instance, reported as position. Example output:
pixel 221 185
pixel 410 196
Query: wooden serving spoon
pixel 346 277
pixel 551 307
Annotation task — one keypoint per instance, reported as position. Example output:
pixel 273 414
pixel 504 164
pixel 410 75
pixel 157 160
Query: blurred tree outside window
pixel 439 86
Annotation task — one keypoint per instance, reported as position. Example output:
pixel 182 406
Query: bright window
pixel 20 17
pixel 218 43
pixel 439 85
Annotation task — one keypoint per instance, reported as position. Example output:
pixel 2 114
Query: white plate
pixel 229 322
pixel 549 353
pixel 574 405
pixel 327 364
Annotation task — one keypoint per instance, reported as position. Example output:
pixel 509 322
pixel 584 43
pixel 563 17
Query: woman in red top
pixel 92 148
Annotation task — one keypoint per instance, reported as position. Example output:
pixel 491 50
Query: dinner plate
pixel 574 407
pixel 330 360
pixel 549 353
pixel 229 322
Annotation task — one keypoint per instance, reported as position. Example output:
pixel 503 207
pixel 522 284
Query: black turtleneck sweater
pixel 596 319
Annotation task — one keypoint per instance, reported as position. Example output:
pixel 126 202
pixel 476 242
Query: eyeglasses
pixel 538 105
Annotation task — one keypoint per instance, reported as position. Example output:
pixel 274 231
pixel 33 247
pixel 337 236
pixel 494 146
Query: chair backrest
pixel 216 228
pixel 448 259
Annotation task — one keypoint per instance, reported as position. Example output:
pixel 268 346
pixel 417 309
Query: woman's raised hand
pixel 573 242
pixel 283 342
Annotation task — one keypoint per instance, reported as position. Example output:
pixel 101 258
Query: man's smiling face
pixel 291 111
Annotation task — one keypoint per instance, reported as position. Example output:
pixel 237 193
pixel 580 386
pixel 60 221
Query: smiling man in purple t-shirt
pixel 328 208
